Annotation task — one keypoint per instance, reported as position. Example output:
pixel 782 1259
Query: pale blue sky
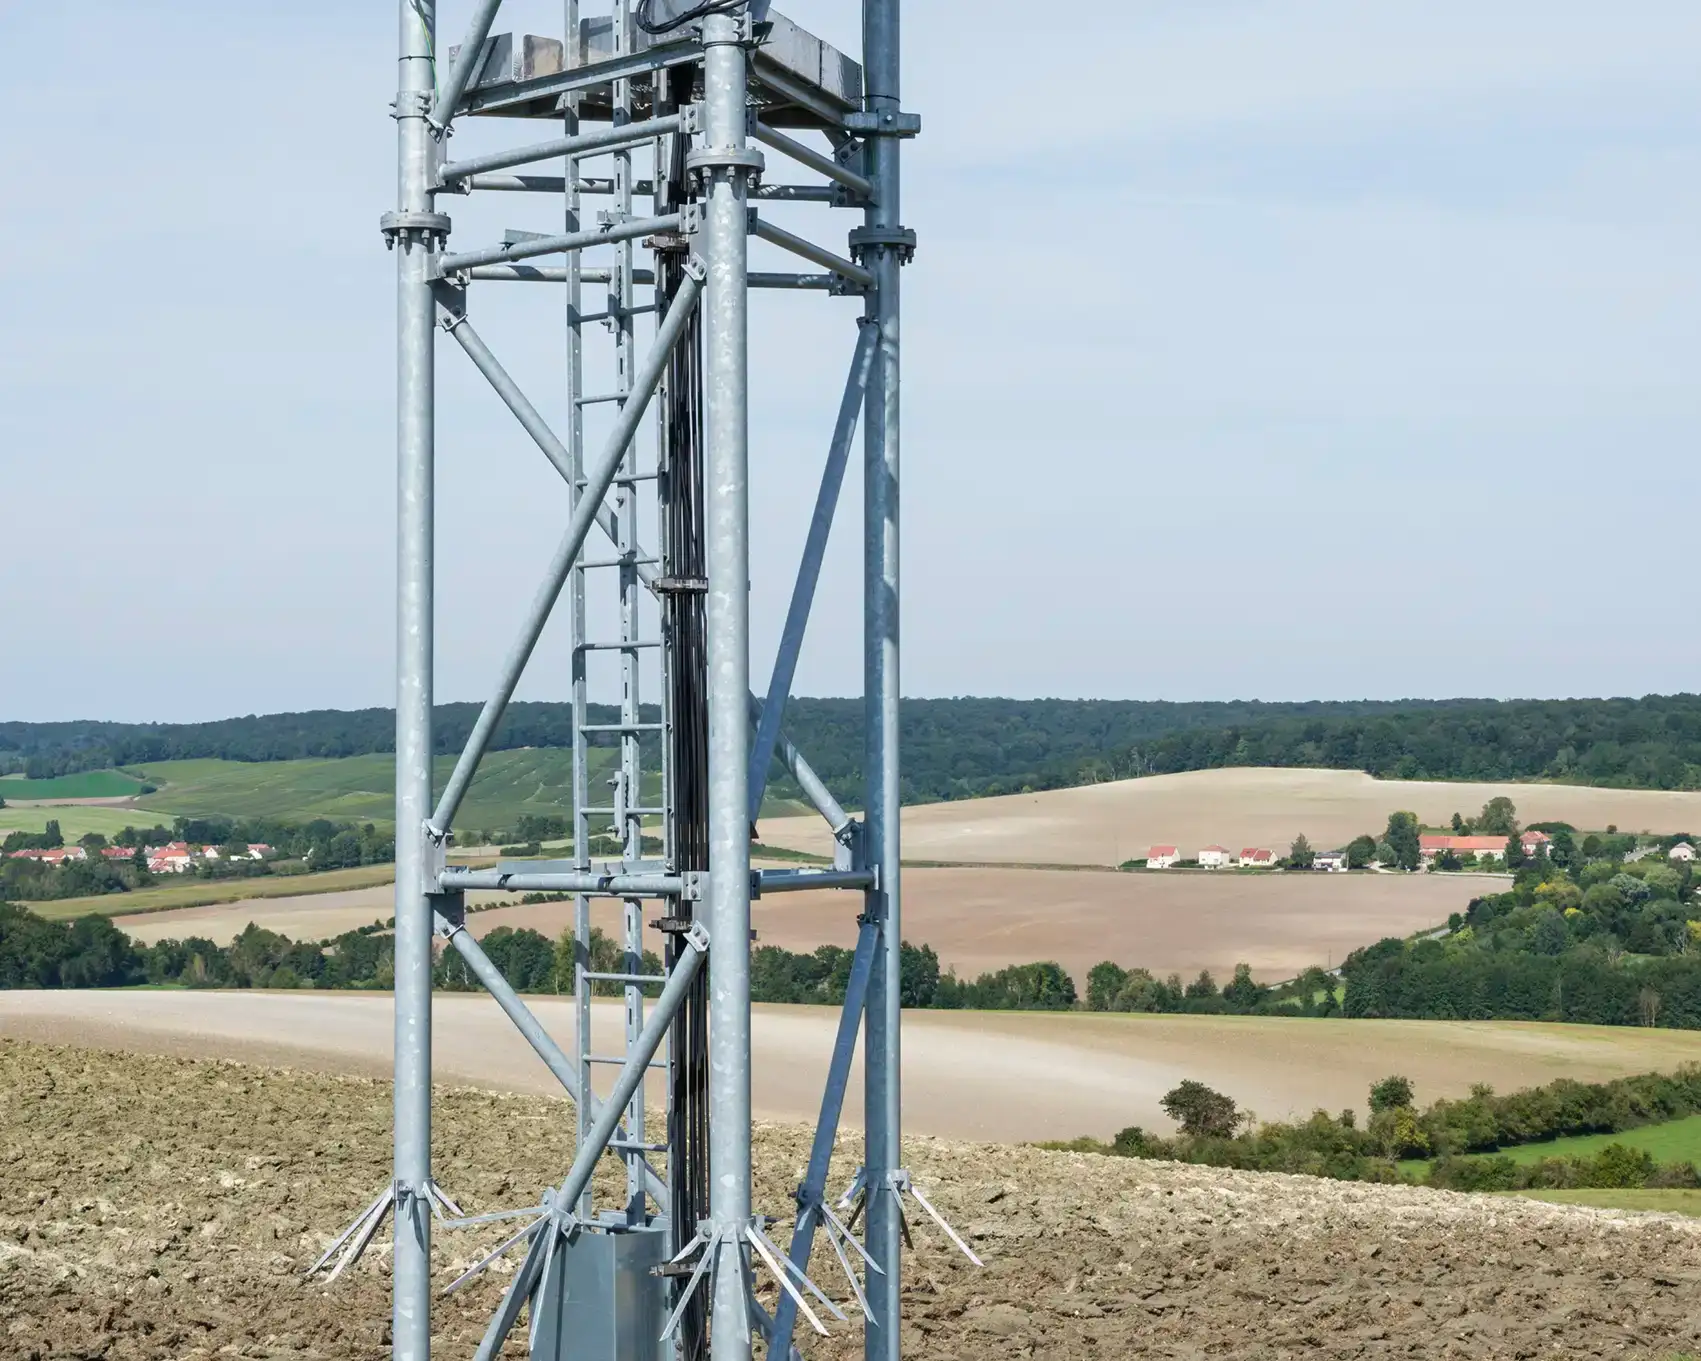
pixel 1296 350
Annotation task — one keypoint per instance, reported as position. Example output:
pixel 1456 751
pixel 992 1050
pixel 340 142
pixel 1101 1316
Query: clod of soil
pixel 165 1208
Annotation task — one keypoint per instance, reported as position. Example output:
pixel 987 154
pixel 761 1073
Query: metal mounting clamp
pixel 883 123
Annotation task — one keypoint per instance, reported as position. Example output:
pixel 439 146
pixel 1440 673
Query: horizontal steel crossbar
pixel 802 881
pixel 612 138
pixel 555 245
pixel 808 250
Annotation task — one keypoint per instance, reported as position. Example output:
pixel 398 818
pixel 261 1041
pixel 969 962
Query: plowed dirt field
pixel 165 1208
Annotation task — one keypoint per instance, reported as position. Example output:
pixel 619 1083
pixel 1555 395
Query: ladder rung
pixel 617 312
pixel 619 562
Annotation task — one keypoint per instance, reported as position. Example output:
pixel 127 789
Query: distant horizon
pixel 1012 699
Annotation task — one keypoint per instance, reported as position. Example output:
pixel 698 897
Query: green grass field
pixel 89 784
pixel 1671 1141
pixel 362 788
pixel 74 819
pixel 509 785
pixel 1673 1201
pixel 206 892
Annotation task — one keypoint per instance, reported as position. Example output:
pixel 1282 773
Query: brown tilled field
pixel 1105 824
pixel 980 919
pixel 970 1075
pixel 156 1209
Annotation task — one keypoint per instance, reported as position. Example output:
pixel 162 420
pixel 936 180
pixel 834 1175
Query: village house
pixel 1682 851
pixel 176 857
pixel 1214 858
pixel 1257 858
pixel 1334 862
pixel 1161 857
pixel 117 853
pixel 1483 847
pixel 57 856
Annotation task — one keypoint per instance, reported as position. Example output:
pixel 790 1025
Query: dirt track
pixel 156 1209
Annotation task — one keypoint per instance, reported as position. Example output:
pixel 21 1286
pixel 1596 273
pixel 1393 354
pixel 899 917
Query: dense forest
pixel 967 747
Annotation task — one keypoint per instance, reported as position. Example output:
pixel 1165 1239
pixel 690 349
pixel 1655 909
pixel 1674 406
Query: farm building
pixel 1257 857
pixel 1483 847
pixel 1682 851
pixel 57 856
pixel 1215 858
pixel 1161 857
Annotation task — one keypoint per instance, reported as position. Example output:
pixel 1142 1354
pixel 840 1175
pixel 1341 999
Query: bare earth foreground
pixel 1105 824
pixel 984 919
pixel 975 1075
pixel 156 1208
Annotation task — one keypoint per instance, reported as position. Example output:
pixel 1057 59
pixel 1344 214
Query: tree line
pixel 971 747
pixel 1215 1131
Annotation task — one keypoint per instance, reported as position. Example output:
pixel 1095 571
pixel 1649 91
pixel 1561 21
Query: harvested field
pixel 301 916
pixel 1105 824
pixel 157 1209
pixel 1097 1073
pixel 985 919
pixel 191 891
pixel 979 920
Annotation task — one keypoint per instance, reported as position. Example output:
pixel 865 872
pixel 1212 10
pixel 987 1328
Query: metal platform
pixel 799 81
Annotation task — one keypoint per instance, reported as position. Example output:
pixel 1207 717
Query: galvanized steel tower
pixel 673 95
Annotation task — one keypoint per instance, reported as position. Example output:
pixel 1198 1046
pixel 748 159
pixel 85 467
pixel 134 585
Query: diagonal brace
pixel 809 569
pixel 656 1025
pixel 644 385
pixel 542 1043
pixel 453 319
pixel 811 1195
pixel 466 65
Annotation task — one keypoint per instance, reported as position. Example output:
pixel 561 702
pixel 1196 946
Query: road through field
pixel 984 919
pixel 1105 824
pixel 987 1075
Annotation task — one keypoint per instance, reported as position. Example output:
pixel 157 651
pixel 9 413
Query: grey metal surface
pixel 415 250
pixel 599 1299
pixel 882 1048
pixel 600 90
pixel 726 478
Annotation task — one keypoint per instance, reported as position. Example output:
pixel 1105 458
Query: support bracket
pixel 882 123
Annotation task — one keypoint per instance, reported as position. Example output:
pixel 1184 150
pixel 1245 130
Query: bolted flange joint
pixel 704 161
pixel 900 239
pixel 405 226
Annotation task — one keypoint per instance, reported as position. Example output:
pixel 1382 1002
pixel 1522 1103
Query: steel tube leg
pixel 728 617
pixel 415 237
pixel 880 659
